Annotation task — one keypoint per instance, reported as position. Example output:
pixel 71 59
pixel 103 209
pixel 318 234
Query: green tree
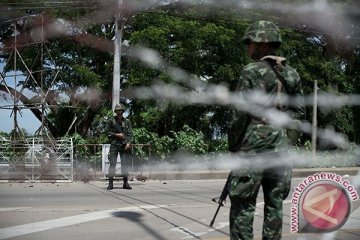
pixel 201 39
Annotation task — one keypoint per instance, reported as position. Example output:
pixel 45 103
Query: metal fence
pixel 87 161
pixel 36 159
pixel 91 162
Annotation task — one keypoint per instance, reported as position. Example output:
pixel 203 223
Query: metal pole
pixel 15 80
pixel 314 121
pixel 32 160
pixel 132 163
pixel 42 80
pixel 117 59
pixel 72 160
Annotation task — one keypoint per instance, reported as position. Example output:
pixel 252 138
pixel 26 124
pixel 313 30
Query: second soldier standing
pixel 120 134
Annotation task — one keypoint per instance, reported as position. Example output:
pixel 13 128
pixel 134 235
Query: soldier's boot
pixel 111 183
pixel 126 184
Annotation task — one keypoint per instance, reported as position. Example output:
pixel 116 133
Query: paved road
pixel 162 210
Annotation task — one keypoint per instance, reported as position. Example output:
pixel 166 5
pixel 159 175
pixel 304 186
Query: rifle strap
pixel 270 63
pixel 278 101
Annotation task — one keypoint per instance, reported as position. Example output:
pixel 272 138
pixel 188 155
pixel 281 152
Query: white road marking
pixel 13 209
pixel 178 189
pixel 20 230
pixel 191 235
pixel 263 203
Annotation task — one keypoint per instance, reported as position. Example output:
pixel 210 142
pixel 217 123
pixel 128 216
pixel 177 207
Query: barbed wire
pixel 96 4
pixel 22 3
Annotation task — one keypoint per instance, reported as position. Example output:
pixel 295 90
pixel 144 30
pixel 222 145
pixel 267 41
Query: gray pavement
pixel 154 209
pixel 222 174
pixel 219 174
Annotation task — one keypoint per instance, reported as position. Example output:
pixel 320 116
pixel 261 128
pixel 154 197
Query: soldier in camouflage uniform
pixel 262 142
pixel 120 134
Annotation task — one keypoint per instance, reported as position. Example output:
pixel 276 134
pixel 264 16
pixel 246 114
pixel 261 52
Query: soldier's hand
pixel 121 136
pixel 127 146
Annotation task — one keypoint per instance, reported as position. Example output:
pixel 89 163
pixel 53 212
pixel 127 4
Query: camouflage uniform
pixel 117 146
pixel 262 143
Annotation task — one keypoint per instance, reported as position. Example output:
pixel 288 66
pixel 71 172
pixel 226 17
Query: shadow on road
pixel 136 218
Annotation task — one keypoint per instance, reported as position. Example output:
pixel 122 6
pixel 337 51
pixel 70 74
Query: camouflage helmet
pixel 262 31
pixel 119 106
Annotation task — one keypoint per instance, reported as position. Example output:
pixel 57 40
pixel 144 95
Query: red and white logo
pixel 325 207
pixel 321 203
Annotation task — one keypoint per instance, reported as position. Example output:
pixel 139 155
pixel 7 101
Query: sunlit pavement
pixel 222 174
pixel 167 209
pixel 351 234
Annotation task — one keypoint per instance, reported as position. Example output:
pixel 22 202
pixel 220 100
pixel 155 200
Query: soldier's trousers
pixel 125 156
pixel 243 190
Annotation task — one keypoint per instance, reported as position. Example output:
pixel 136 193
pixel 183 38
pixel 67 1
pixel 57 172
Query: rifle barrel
pixel 222 198
pixel 216 213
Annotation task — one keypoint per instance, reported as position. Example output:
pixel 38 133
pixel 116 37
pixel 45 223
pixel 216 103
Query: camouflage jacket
pixel 259 135
pixel 119 126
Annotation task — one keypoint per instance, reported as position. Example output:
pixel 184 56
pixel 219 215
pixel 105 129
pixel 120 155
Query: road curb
pixel 304 172
pixel 222 174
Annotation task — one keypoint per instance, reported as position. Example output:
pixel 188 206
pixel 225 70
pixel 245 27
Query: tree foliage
pixel 202 40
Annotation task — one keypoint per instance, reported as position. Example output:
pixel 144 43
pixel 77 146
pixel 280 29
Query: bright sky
pixel 26 120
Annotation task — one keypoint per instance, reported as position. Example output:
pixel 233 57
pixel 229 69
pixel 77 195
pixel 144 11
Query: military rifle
pixel 117 129
pixel 221 199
